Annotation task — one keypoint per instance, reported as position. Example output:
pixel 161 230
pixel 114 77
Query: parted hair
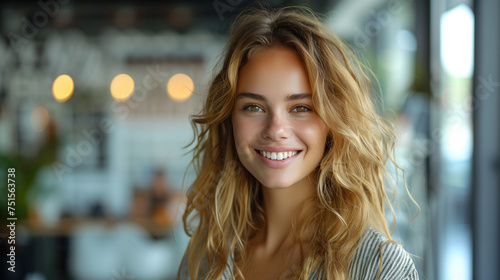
pixel 224 204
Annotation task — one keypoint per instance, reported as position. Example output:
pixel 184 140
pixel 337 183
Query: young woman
pixel 290 157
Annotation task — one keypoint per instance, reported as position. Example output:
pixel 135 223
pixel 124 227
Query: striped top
pixel 396 262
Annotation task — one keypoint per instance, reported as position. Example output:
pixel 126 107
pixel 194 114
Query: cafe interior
pixel 95 106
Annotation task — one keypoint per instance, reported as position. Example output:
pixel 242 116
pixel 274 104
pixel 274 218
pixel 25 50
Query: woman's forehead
pixel 274 69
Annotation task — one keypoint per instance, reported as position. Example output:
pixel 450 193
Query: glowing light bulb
pixel 62 88
pixel 180 87
pixel 122 87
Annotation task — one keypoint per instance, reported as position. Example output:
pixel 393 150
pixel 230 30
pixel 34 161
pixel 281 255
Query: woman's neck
pixel 281 207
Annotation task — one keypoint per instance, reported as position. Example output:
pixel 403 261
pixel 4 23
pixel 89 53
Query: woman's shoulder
pixel 396 262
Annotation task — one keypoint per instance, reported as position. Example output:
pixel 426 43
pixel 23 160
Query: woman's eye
pixel 253 108
pixel 301 109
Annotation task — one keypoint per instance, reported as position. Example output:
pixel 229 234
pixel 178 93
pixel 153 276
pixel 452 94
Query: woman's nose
pixel 277 127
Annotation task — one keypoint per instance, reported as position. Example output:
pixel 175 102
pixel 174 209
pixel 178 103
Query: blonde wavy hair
pixel 224 204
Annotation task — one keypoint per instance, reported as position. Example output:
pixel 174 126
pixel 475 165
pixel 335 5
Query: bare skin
pixel 273 252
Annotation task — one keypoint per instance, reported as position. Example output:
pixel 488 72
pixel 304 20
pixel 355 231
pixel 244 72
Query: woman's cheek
pixel 313 132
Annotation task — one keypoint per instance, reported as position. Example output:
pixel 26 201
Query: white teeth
pixel 278 155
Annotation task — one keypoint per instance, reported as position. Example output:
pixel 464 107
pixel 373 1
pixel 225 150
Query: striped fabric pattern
pixel 396 262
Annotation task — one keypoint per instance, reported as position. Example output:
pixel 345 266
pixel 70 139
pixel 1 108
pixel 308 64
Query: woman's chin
pixel 276 185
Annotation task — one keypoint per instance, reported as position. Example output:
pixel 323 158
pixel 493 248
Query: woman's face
pixel 278 136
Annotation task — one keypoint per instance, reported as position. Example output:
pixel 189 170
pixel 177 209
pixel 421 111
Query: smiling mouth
pixel 278 155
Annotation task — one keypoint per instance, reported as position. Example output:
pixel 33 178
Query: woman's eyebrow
pixel 298 96
pixel 291 97
pixel 251 96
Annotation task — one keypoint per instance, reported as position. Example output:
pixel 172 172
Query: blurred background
pixel 95 99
